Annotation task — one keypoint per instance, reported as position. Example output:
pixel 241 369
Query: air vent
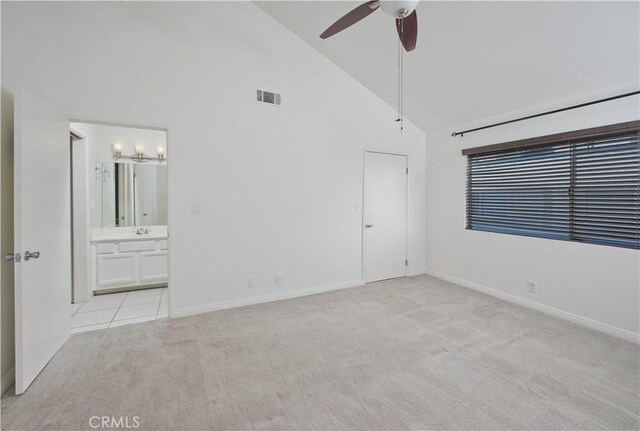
pixel 269 97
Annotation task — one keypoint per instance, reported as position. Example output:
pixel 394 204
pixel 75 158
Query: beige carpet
pixel 413 353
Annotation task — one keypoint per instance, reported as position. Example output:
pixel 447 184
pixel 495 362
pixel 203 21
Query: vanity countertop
pixel 118 234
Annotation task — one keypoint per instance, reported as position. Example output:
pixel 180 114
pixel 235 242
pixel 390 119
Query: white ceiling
pixel 480 60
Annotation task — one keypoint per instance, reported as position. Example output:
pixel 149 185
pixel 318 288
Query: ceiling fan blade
pixel 351 18
pixel 408 31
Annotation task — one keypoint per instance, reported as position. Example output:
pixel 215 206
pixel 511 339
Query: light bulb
pixel 139 148
pixel 160 150
pixel 117 149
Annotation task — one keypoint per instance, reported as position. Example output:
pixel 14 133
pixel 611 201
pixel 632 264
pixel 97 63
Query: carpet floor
pixel 410 353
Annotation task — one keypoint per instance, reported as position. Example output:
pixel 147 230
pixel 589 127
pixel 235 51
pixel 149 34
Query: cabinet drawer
pixel 137 246
pixel 107 247
pixel 162 245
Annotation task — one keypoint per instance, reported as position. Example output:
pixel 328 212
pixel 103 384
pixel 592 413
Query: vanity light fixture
pixel 139 156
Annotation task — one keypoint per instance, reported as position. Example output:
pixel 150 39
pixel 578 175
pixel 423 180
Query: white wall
pixel 592 284
pixel 279 188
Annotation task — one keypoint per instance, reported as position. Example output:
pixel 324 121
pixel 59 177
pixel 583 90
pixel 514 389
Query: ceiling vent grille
pixel 268 97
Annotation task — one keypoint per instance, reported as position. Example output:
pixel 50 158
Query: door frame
pixel 170 209
pixel 80 237
pixel 406 224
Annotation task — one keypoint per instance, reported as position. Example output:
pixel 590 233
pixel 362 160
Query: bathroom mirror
pixel 133 194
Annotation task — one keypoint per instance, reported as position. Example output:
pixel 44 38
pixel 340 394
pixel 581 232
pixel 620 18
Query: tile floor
pixel 117 309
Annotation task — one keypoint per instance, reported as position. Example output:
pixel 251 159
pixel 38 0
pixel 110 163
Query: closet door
pixel 385 216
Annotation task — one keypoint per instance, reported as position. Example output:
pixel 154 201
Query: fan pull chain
pixel 400 118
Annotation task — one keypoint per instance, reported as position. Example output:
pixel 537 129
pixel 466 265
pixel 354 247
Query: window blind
pixel 583 189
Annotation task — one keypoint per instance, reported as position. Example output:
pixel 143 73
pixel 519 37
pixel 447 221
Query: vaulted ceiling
pixel 481 60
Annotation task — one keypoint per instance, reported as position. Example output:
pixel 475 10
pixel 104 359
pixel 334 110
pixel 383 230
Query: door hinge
pixel 12 257
pixel 407 171
pixel 406 262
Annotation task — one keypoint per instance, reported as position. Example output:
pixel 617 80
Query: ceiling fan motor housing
pixel 399 8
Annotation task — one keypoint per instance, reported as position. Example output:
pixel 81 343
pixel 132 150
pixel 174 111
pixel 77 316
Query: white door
pixel 42 225
pixel 384 216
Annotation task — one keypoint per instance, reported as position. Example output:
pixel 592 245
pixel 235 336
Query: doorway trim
pixel 362 221
pixel 170 209
pixel 80 227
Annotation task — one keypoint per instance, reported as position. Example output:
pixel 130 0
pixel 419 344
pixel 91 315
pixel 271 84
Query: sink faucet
pixel 143 230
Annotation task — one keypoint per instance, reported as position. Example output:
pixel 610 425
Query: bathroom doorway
pixel 120 243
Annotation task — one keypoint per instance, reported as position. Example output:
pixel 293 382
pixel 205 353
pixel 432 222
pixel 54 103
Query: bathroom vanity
pixel 125 258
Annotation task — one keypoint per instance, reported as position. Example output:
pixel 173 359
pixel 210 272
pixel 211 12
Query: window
pixel 577 186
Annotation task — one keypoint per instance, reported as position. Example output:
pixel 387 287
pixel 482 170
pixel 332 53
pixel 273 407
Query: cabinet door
pixel 153 267
pixel 117 269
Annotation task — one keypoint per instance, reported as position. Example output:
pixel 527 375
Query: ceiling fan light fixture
pixel 403 11
pixel 398 8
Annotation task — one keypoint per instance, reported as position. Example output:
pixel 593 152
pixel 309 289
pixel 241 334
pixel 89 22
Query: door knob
pixel 31 254
pixel 368 226
pixel 15 257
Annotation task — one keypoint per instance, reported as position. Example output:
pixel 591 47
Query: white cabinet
pixel 152 266
pixel 118 264
pixel 116 269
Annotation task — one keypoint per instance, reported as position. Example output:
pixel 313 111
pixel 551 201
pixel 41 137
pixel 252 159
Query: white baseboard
pixel 277 296
pixel 584 321
pixel 7 380
pixel 414 272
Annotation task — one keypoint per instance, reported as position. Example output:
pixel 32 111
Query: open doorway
pixel 119 226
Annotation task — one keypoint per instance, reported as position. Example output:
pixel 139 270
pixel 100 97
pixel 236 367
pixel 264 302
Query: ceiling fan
pixel 403 11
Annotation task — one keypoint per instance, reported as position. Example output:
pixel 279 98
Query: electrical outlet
pixel 532 286
pixel 252 283
pixel 277 280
